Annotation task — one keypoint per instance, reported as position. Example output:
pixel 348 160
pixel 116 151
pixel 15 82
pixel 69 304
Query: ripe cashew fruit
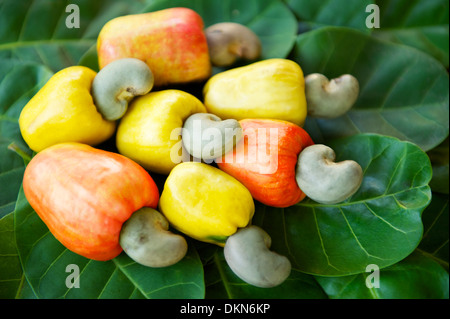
pixel 268 89
pixel 150 132
pixel 63 111
pixel 205 203
pixel 170 41
pixel 84 195
pixel 265 160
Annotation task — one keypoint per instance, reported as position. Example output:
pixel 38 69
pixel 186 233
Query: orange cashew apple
pixel 170 41
pixel 84 195
pixel 265 160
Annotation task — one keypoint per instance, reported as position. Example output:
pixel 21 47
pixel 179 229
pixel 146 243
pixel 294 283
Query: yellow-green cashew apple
pixel 150 131
pixel 205 203
pixel 171 41
pixel 63 110
pixel 268 89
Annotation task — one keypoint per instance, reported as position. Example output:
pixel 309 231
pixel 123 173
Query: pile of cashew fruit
pixel 243 142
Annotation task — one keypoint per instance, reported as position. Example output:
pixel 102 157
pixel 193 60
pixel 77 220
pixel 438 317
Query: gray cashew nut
pixel 228 42
pixel 118 83
pixel 145 238
pixel 323 180
pixel 207 137
pixel 330 99
pixel 248 255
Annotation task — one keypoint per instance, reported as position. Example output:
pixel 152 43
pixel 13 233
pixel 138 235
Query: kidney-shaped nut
pixel 228 42
pixel 206 136
pixel 146 239
pixel 323 180
pixel 248 255
pixel 330 99
pixel 117 83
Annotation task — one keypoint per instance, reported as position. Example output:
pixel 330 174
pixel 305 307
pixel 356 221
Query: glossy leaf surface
pixel 403 92
pixel 379 224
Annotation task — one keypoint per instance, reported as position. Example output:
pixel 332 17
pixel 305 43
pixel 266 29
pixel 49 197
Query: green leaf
pixel 222 283
pixel 416 277
pixel 380 224
pixel 420 24
pixel 435 238
pixel 19 82
pixel 11 276
pixel 13 283
pixel 277 41
pixel 316 14
pixel 403 92
pixel 45 261
pixel 11 172
pixel 36 30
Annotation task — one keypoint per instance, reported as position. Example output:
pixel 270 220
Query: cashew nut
pixel 146 239
pixel 248 255
pixel 228 42
pixel 206 136
pixel 323 180
pixel 117 83
pixel 330 99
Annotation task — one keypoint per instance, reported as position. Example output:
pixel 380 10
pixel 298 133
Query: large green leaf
pixel 277 40
pixel 11 172
pixel 420 24
pixel 416 277
pixel 11 277
pixel 13 97
pixel 36 30
pixel 403 92
pixel 380 224
pixel 13 283
pixel 19 82
pixel 316 14
pixel 45 260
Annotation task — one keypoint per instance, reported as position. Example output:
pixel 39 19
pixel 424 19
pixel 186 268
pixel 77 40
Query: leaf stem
pixel 19 151
pixel 222 275
pixel 20 44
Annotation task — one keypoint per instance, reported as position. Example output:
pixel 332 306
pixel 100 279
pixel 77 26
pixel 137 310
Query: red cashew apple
pixel 171 41
pixel 265 160
pixel 84 195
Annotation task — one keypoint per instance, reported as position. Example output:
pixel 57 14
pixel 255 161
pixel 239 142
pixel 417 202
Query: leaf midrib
pixel 223 276
pixel 22 44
